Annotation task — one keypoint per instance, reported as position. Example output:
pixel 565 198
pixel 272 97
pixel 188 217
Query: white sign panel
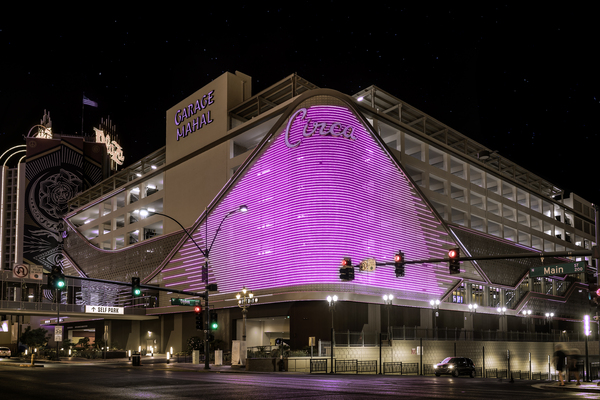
pixel 36 272
pixel 104 310
pixel 58 332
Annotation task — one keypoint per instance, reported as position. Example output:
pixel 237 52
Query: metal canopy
pixel 418 122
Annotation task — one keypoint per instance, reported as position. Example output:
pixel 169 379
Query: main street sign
pixel 558 269
pixel 104 310
pixel 185 302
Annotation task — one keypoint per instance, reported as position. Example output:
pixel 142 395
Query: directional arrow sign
pixel 104 310
pixel 558 269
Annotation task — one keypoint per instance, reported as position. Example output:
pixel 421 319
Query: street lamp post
pixel 144 213
pixel 473 311
pixel 549 317
pixel 245 299
pixel 435 305
pixel 332 300
pixel 502 312
pixel 586 331
pixel 387 299
pixel 527 314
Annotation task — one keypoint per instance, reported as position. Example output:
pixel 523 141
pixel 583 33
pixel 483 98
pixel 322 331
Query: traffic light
pixel 399 264
pixel 199 320
pixel 214 324
pixel 136 289
pixel 347 270
pixel 454 264
pixel 56 279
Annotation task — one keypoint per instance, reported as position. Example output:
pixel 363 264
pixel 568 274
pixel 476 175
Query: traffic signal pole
pixel 573 253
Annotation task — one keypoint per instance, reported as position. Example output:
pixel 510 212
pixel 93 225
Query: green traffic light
pixel 214 325
pixel 60 284
pixel 137 292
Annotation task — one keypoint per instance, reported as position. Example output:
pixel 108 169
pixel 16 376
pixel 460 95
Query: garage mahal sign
pixel 195 115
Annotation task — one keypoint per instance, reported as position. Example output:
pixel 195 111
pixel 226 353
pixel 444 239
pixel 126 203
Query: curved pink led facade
pixel 323 188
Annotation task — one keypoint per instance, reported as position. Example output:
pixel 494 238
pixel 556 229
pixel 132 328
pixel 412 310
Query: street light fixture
pixel 245 299
pixel 332 300
pixel 243 208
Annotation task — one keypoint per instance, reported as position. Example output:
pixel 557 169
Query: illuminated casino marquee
pixel 323 128
pixel 337 193
pixel 185 128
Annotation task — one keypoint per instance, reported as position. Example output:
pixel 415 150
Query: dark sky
pixel 518 79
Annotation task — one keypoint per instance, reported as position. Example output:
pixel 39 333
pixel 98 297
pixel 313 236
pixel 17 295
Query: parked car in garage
pixel 455 366
pixel 4 352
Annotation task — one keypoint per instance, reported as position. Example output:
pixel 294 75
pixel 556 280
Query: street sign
pixel 558 269
pixel 368 264
pixel 58 333
pixel 104 310
pixel 20 271
pixel 28 271
pixel 185 302
pixel 36 272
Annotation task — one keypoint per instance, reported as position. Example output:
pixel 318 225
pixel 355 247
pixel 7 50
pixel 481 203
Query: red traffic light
pixel 598 292
pixel 453 253
pixel 197 309
pixel 347 262
pixel 398 257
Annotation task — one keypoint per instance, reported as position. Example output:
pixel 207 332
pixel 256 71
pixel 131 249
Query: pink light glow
pixel 313 204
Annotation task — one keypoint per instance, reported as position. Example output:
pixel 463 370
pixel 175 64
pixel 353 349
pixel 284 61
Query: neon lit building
pixel 324 176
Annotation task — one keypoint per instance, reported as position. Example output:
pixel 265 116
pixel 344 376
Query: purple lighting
pixel 333 193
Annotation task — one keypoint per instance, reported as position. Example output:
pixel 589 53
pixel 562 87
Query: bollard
pixel 32 359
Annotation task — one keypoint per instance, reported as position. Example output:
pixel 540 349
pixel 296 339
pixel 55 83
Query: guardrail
pixel 366 366
pixel 392 368
pixel 318 365
pixel 346 366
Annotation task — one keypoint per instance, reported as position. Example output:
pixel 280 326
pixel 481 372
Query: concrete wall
pixel 435 351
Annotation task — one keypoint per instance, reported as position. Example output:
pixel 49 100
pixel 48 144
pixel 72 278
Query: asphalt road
pixel 159 381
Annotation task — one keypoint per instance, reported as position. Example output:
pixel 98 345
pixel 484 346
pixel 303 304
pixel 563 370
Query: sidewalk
pixel 589 387
pixel 157 360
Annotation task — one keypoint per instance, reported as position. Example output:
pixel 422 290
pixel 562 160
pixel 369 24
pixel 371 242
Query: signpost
pixel 558 269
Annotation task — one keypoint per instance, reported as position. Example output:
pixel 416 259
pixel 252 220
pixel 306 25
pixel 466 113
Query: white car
pixel 4 352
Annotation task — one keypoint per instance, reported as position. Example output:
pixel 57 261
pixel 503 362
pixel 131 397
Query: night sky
pixel 521 80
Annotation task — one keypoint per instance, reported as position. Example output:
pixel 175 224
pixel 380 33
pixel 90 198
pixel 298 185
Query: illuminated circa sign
pixel 185 128
pixel 104 310
pixel 114 150
pixel 310 128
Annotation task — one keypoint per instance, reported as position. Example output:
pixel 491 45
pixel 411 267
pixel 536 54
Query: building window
pixel 414 147
pixel 457 167
pixel 477 176
pixel 457 193
pixel 436 158
pixel 437 185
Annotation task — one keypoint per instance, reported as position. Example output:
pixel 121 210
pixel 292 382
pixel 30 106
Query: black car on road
pixel 455 366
